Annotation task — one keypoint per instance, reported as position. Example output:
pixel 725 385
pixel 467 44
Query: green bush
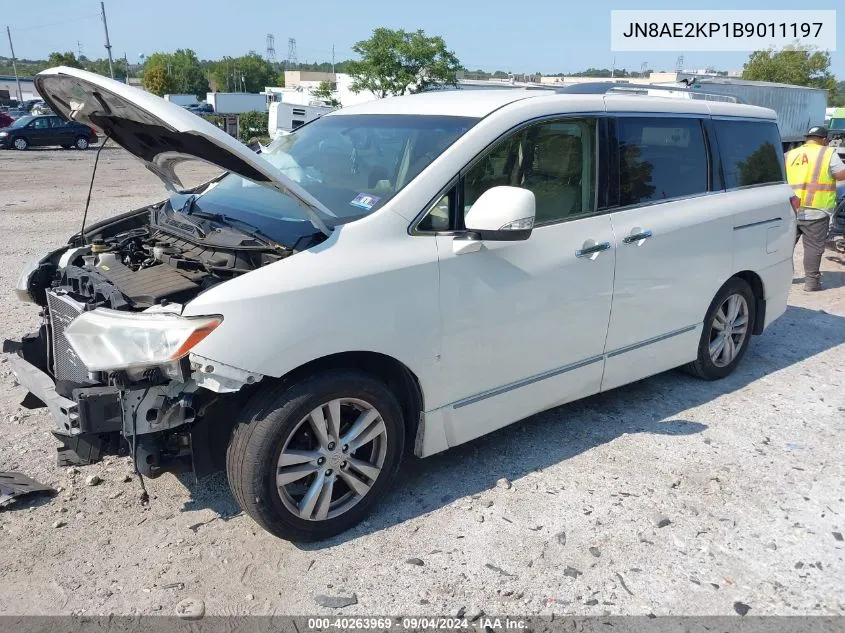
pixel 252 124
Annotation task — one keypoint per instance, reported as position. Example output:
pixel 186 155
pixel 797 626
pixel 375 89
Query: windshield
pixel 837 124
pixel 353 164
pixel 21 121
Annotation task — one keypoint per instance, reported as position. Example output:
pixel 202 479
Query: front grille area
pixel 66 364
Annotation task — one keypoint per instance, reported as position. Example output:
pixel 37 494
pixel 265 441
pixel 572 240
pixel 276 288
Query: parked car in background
pixel 5 120
pixel 46 130
pixel 200 108
pixel 17 113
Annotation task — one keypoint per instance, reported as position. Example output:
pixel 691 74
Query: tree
pixel 182 73
pixel 63 59
pixel 395 62
pixel 324 93
pixel 839 95
pixel 101 67
pixel 791 65
pixel 252 124
pixel 249 73
pixel 156 80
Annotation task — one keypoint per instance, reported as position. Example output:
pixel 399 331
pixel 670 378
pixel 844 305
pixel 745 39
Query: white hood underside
pixel 162 134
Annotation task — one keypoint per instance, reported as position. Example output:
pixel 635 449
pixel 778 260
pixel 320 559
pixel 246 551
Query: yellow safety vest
pixel 808 171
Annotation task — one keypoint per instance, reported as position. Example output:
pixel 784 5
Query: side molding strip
pixel 656 339
pixel 567 368
pixel 525 382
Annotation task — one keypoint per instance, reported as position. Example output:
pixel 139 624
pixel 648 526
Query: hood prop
pixel 91 186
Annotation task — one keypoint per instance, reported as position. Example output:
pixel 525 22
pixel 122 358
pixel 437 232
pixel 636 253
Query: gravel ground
pixel 671 496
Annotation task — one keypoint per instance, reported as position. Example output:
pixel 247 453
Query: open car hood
pixel 161 134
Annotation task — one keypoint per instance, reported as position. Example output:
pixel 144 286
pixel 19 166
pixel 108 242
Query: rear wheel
pixel 21 143
pixel 81 143
pixel 727 331
pixel 310 459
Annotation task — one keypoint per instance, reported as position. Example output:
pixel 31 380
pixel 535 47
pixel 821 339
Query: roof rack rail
pixel 605 87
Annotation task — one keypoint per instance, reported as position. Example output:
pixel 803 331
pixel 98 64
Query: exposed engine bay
pixel 138 262
pixel 151 260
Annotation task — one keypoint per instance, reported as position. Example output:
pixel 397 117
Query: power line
pixel 44 26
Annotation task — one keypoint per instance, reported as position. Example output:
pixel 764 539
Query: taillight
pixel 93 131
pixel 795 201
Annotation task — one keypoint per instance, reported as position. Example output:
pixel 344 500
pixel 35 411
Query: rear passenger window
pixel 660 159
pixel 751 152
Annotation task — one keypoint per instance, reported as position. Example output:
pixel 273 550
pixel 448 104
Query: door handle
pixel 588 251
pixel 637 237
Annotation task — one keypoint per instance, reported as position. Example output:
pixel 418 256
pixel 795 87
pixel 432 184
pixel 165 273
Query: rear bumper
pixel 777 281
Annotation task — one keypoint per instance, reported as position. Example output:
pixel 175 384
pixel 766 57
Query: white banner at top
pixel 711 30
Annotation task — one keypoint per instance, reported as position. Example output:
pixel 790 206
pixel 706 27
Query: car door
pixel 60 132
pixel 674 244
pixel 38 131
pixel 524 322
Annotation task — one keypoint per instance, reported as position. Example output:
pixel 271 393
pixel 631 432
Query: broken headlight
pixel 110 339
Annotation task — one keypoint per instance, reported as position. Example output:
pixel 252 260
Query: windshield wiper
pixel 233 222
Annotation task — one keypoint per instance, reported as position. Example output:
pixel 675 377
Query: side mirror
pixel 502 214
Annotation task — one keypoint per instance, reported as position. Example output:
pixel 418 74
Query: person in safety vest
pixel 813 169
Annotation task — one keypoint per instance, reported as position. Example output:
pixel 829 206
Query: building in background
pixel 9 88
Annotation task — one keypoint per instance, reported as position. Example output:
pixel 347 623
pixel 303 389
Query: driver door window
pixel 555 160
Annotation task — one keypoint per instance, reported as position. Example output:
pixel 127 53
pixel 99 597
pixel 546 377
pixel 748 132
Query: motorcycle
pixel 836 233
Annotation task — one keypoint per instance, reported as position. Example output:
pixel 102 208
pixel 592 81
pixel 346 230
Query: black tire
pixel 704 366
pixel 81 142
pixel 20 143
pixel 272 417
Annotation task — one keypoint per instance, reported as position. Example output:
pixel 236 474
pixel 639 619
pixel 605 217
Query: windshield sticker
pixel 365 201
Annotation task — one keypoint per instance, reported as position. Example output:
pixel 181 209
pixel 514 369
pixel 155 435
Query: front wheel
pixel 309 460
pixel 727 331
pixel 21 143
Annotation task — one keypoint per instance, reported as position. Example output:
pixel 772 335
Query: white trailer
pixel 237 102
pixel 181 99
pixel 286 117
pixel 798 107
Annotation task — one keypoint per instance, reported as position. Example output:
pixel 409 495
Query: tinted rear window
pixel 752 153
pixel 660 159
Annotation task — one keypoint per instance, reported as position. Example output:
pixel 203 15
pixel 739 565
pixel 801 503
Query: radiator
pixel 66 364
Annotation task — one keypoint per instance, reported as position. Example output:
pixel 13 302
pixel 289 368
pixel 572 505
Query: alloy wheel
pixel 20 143
pixel 81 143
pixel 331 459
pixel 728 330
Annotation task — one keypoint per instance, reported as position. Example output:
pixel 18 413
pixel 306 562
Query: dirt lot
pixel 670 496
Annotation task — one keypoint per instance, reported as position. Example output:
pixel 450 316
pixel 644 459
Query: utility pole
pixel 334 77
pixel 108 44
pixel 15 66
pixel 126 66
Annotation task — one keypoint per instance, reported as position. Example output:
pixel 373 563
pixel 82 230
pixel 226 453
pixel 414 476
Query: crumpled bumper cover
pixel 90 410
pixel 63 410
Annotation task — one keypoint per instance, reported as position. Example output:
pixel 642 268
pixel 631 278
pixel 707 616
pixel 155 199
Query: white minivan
pixel 401 276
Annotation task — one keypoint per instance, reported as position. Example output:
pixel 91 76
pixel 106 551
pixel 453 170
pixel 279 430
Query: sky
pixel 546 36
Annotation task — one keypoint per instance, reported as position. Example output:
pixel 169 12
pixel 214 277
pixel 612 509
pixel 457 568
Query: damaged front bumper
pixel 83 424
pixel 151 422
pixel 161 415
